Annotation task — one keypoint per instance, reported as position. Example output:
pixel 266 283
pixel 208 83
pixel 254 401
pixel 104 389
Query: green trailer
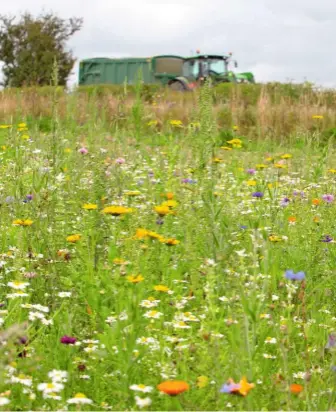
pixel 177 72
pixel 163 69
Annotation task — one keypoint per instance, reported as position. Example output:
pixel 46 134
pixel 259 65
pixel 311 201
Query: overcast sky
pixel 276 39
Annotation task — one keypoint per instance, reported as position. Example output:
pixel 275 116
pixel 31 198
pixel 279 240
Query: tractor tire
pixel 177 86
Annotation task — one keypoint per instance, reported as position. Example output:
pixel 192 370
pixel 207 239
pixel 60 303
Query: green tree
pixel 30 45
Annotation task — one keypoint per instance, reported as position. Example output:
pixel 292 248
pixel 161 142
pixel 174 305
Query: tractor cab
pixel 203 66
pixel 218 67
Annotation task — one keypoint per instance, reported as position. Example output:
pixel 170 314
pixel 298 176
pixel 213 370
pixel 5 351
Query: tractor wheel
pixel 177 86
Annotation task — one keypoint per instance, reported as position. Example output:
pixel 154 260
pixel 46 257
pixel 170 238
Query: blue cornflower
pixel 229 387
pixel 258 194
pixel 289 274
pixel 327 239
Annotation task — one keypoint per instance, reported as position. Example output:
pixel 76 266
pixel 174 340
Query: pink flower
pixel 328 198
pixel 83 150
pixel 120 160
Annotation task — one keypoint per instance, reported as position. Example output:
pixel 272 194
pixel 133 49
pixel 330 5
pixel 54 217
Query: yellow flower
pixel 317 116
pixel 274 238
pixel 135 278
pixel 162 210
pixel 119 261
pixel 5 126
pixel 286 156
pixel 161 288
pixel 217 160
pixel 22 125
pixel 90 206
pixel 226 148
pixel 235 143
pixel 73 238
pixel 22 222
pixel 25 137
pixel 251 183
pixel 154 235
pixel 116 210
pixel 152 123
pixel 67 150
pixel 332 171
pixel 279 166
pixel 133 193
pixel 235 127
pixel 177 123
pixel 141 234
pixel 269 159
pixel 261 166
pixel 170 203
pixel 202 382
pixel 316 219
pixel 170 242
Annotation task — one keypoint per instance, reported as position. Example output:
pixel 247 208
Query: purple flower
pixel 187 180
pixel 28 198
pixel 328 198
pixel 285 201
pixel 258 194
pixel 251 171
pixel 289 274
pixel 331 341
pixel 23 340
pixel 83 150
pixel 327 239
pixel 243 227
pixel 229 387
pixel 68 340
pixel 297 193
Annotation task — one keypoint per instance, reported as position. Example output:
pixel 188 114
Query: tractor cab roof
pixel 208 56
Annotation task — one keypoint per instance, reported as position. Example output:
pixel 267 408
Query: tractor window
pixel 169 65
pixel 190 68
pixel 217 66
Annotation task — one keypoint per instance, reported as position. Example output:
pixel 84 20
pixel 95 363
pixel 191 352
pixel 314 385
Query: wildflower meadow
pixel 166 265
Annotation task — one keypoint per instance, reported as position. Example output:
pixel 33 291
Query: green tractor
pixel 217 67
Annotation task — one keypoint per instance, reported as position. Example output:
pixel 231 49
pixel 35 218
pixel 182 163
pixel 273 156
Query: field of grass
pixel 167 243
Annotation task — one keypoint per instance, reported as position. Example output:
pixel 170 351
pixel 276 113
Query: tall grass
pixel 272 110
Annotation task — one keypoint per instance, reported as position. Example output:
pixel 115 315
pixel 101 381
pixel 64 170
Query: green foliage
pixel 29 46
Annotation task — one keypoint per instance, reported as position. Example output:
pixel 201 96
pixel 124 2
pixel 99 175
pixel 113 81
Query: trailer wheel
pixel 177 86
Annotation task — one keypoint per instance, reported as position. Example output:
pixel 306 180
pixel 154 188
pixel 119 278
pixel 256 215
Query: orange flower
pixel 244 387
pixel 168 195
pixel 173 388
pixel 316 202
pixel 296 388
pixel 292 219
